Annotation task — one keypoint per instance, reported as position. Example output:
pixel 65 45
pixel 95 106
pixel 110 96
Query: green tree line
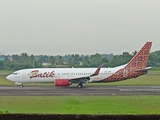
pixel 15 62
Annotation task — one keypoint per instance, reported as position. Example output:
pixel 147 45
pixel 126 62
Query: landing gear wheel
pixel 80 85
pixel 21 86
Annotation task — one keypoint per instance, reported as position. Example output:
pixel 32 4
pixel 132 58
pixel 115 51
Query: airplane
pixel 66 76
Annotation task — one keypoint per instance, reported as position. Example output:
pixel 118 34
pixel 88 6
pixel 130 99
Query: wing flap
pixel 86 78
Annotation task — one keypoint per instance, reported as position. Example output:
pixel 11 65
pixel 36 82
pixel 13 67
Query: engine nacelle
pixel 62 82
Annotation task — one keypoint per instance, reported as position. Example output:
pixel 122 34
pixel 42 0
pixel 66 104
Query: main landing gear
pixel 22 86
pixel 80 85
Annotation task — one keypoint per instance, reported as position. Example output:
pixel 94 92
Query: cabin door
pixel 24 74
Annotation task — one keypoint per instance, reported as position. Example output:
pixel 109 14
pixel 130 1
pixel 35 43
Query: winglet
pixel 97 71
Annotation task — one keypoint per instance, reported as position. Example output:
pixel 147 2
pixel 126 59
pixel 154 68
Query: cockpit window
pixel 15 73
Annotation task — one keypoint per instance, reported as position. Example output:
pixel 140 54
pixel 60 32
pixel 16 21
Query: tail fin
pixel 135 67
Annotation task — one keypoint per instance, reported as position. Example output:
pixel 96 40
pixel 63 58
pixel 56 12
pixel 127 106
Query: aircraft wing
pixel 86 78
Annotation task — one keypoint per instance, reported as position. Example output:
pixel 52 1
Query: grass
pixel 5 82
pixel 81 104
pixel 147 80
pixel 5 72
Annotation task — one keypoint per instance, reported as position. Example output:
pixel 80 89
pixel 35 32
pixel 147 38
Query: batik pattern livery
pixel 135 67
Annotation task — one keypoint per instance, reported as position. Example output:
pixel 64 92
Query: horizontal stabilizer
pixel 146 69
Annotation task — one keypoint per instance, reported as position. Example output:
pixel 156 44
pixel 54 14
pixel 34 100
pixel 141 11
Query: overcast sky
pixel 59 27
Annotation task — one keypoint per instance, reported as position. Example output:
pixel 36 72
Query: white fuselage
pixel 51 74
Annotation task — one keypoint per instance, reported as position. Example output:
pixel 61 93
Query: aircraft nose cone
pixel 8 77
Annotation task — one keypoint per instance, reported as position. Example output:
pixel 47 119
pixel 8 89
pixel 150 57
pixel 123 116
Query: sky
pixel 60 27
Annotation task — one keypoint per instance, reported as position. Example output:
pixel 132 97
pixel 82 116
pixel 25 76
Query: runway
pixel 74 91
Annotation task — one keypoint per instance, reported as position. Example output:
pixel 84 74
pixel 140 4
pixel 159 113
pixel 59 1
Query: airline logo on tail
pixel 135 67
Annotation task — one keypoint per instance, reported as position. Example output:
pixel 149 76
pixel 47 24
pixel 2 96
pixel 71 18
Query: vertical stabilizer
pixel 135 67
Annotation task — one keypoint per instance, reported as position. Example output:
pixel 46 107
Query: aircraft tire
pixel 80 85
pixel 22 86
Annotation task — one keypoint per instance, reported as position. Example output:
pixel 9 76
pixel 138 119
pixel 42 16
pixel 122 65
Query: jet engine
pixel 62 82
